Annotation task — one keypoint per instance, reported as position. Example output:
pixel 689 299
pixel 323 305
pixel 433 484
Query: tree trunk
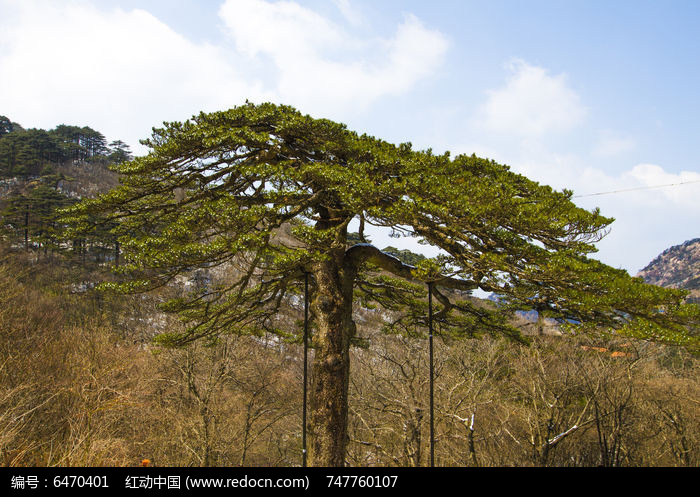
pixel 332 307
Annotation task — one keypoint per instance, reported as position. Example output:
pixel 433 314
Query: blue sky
pixel 587 95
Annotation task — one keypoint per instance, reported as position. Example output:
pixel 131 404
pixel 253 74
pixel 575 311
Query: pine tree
pixel 31 216
pixel 30 152
pixel 119 152
pixel 6 126
pixel 271 193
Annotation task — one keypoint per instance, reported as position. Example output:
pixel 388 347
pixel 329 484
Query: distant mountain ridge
pixel 677 267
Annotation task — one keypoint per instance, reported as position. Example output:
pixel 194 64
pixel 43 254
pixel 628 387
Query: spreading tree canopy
pixel 269 193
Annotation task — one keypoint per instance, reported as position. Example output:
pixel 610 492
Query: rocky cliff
pixel 677 267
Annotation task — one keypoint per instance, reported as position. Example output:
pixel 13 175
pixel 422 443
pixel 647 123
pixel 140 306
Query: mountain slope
pixel 677 267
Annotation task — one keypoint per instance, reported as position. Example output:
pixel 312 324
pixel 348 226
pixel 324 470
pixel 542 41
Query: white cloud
pixel 611 144
pixel 351 13
pixel 647 220
pixel 644 186
pixel 279 29
pixel 523 124
pixel 122 72
pixel 531 104
pixel 323 68
pixel 119 72
pixel 681 189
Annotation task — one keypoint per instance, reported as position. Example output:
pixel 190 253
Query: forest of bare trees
pixel 81 385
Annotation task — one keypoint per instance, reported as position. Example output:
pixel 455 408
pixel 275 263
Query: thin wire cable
pixel 635 189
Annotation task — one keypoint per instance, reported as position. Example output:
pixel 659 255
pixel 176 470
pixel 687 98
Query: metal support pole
pixel 430 346
pixel 306 352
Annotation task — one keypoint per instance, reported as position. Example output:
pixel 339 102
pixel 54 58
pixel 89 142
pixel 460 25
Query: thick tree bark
pixel 332 307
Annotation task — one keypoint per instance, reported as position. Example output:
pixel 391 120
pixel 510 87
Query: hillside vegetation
pixel 83 383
